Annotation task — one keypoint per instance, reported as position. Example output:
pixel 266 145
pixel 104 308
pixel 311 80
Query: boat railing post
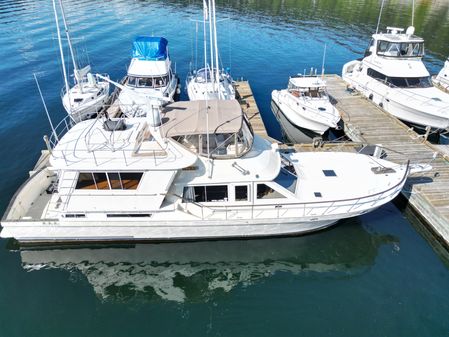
pixel 95 158
pixel 124 157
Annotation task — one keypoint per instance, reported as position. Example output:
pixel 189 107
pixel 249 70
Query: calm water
pixel 370 276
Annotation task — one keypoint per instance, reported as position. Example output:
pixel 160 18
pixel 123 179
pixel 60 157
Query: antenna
pixel 380 15
pixel 324 59
pixel 413 12
pixel 45 107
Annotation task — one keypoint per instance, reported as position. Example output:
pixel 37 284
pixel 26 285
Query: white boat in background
pixel 88 95
pixel 210 82
pixel 150 77
pixel 197 172
pixel 393 76
pixel 442 79
pixel 304 109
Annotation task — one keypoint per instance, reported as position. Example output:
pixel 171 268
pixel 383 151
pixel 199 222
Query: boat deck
pixel 365 122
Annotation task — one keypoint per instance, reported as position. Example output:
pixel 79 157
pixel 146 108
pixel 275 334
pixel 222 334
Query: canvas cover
pixel 150 48
pixel 189 118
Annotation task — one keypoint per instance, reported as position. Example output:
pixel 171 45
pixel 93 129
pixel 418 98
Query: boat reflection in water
pixel 198 271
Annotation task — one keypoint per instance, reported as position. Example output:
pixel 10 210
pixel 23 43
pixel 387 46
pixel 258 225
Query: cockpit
pixel 400 49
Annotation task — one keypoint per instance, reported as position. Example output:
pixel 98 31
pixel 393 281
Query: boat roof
pixel 395 34
pixel 145 68
pixel 308 81
pixel 150 48
pixel 89 146
pixel 189 118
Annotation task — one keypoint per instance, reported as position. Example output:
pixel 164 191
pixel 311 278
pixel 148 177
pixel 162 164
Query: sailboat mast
pixel 211 42
pixel 217 70
pixel 66 82
pixel 72 54
pixel 205 17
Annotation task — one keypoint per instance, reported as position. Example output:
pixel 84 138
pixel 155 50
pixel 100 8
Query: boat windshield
pixel 220 145
pixel 400 49
pixel 148 82
pixel 314 92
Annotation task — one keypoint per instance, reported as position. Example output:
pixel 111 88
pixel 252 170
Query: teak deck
pixel 364 122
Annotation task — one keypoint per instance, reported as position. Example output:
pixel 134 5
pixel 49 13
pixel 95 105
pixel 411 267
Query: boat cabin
pixel 397 44
pixel 307 86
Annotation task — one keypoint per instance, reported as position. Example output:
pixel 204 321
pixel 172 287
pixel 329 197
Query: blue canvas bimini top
pixel 150 48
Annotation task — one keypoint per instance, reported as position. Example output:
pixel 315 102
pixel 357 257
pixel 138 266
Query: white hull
pixel 93 99
pixel 160 231
pixel 442 79
pixel 409 105
pixel 197 90
pixel 292 132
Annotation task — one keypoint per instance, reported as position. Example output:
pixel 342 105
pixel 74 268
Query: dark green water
pixel 374 275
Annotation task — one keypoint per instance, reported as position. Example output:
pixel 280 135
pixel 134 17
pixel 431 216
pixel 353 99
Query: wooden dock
pixel 249 106
pixel 427 193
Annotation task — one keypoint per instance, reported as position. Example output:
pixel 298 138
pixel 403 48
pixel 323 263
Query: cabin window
pixel 376 75
pixel 114 181
pixel 410 82
pixel 212 193
pixel 131 81
pixel 130 180
pixel 287 180
pixel 266 192
pixel 400 49
pixel 241 193
pixel 110 180
pixel 86 182
pixel 101 181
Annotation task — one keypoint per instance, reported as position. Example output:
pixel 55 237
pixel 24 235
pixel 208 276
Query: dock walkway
pixel 367 123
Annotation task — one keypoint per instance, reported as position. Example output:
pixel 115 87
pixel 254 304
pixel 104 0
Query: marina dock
pixel 364 122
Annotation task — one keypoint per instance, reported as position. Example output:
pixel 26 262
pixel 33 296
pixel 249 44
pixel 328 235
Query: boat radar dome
pixel 410 30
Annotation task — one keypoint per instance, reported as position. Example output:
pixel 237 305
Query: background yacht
pixel 442 79
pixel 88 95
pixel 150 77
pixel 210 82
pixel 197 172
pixel 392 75
pixel 303 109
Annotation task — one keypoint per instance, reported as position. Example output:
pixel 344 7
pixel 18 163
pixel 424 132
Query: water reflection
pixel 198 271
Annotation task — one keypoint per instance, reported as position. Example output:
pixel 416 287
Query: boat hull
pixel 293 132
pixel 175 231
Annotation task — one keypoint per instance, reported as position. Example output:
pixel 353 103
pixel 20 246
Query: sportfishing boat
pixel 88 95
pixel 150 77
pixel 210 82
pixel 197 171
pixel 442 79
pixel 393 76
pixel 304 109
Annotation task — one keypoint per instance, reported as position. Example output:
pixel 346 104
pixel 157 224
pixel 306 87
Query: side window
pixel 206 193
pixel 130 180
pixel 85 181
pixel 106 181
pixel 101 181
pixel 241 193
pixel 217 193
pixel 266 192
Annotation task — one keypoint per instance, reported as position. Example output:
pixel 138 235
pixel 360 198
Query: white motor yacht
pixel 304 109
pixel 393 76
pixel 442 79
pixel 197 173
pixel 88 95
pixel 150 77
pixel 210 82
